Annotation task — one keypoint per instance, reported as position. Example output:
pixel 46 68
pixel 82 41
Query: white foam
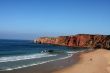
pixel 24 66
pixel 73 52
pixel 24 57
pixel 40 55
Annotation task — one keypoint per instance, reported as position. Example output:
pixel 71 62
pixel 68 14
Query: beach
pixel 97 61
pixel 94 61
pixel 27 57
pixel 48 67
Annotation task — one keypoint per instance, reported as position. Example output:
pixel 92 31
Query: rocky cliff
pixel 80 40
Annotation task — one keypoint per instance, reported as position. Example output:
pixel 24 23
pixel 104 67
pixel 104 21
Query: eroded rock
pixel 80 40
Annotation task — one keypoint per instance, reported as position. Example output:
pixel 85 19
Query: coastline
pixel 48 67
pixel 97 61
pixel 88 61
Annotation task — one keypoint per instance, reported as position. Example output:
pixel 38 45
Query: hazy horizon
pixel 29 19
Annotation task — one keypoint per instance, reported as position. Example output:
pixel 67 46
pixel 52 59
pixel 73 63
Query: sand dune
pixel 93 62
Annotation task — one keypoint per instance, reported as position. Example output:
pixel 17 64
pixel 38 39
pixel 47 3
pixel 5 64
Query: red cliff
pixel 80 40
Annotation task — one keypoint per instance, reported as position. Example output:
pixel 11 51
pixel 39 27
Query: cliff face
pixel 80 40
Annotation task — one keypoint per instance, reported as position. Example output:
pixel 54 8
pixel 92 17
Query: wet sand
pixel 48 67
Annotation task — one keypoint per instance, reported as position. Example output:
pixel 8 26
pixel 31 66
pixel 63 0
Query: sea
pixel 16 54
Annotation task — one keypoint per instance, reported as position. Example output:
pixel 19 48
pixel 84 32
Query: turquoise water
pixel 15 54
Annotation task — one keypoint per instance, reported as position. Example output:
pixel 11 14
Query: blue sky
pixel 28 19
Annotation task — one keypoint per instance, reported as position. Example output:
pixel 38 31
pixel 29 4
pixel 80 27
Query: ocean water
pixel 15 54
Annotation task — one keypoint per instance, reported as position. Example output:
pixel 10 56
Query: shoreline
pixel 48 67
pixel 96 61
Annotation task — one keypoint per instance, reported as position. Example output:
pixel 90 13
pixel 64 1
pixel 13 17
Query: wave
pixel 25 57
pixel 72 52
pixel 24 66
pixel 39 55
pixel 32 56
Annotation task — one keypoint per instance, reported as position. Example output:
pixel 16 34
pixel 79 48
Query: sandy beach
pixel 97 61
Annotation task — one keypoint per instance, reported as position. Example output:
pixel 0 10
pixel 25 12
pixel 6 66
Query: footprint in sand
pixel 90 59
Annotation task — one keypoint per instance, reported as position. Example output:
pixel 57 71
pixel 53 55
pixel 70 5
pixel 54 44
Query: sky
pixel 29 19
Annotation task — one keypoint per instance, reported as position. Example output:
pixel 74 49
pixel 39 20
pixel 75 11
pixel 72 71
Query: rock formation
pixel 80 40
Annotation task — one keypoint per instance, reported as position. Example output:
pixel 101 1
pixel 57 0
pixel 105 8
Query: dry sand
pixel 97 61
